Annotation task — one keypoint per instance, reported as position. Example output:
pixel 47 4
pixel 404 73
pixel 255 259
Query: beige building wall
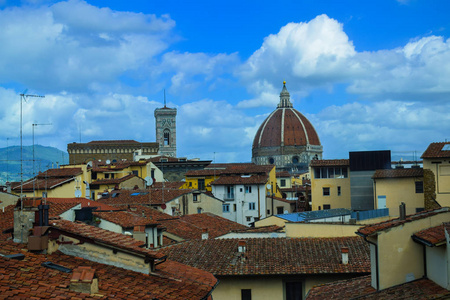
pixel 320 230
pixel 396 191
pixel 7 199
pixel 399 255
pixel 441 170
pixel 262 288
pixel 335 200
pixel 272 220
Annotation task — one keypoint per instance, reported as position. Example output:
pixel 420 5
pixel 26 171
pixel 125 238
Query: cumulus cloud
pixel 73 45
pixel 319 55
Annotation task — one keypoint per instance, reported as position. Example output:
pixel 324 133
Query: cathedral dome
pixel 286 137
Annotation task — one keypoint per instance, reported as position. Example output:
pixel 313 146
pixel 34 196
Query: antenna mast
pixel 34 170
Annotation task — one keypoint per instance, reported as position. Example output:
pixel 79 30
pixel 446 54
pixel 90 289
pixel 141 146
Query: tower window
pixel 166 137
pixel 295 160
pixel 271 160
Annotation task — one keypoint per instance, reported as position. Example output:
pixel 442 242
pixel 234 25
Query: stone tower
pixel 166 130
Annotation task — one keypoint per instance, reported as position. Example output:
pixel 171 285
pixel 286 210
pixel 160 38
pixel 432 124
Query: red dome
pixel 286 127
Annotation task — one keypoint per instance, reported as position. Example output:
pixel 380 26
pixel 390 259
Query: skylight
pixel 446 147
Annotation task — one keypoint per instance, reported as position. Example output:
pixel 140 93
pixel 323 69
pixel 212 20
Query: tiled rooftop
pixel 28 279
pixel 432 236
pixel 124 219
pixel 101 235
pixel 435 150
pixel 113 180
pixel 360 288
pixel 330 163
pixel 151 196
pixel 374 228
pixel 251 179
pixel 229 169
pixel 398 173
pixel 273 256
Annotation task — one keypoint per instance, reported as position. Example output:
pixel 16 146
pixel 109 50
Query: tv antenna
pixel 23 97
pixel 34 169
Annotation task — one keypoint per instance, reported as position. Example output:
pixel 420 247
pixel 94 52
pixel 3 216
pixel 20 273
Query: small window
pixel 248 189
pixel 419 187
pixel 326 206
pixel 199 210
pixel 201 184
pixel 249 219
pixel 234 207
pixel 106 175
pixel 338 190
pixel 246 294
pixel 195 197
pixel 295 160
pixel 280 210
pixel 190 184
pixel 271 161
pixel 251 206
pixel 226 208
pixel 283 182
pixel 136 173
pixel 326 191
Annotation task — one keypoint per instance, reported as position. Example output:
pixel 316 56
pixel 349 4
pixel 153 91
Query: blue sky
pixel 369 75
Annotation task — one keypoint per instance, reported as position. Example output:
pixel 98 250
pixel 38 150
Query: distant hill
pixel 44 158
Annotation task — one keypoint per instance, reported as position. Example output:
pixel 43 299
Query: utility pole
pixel 34 170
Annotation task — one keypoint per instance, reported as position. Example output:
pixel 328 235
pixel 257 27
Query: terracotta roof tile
pixel 152 196
pixel 229 169
pixel 360 288
pixel 434 150
pixel 29 279
pixel 251 179
pixel 329 162
pixel 398 173
pixel 273 256
pixel 431 236
pixel 374 228
pixel 124 219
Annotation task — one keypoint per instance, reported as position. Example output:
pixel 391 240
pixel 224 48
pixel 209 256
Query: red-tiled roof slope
pixel 114 180
pixel 330 162
pixel 434 150
pixel 168 185
pixel 108 237
pixel 55 209
pixel 251 179
pixel 374 228
pixel 273 256
pixel 360 288
pixel 431 236
pixel 228 169
pixel 84 203
pixel 283 174
pixel 398 173
pixel 27 278
pixel 216 225
pixel 63 172
pixel 6 221
pixel 268 228
pixel 124 219
pixel 42 184
pixel 148 197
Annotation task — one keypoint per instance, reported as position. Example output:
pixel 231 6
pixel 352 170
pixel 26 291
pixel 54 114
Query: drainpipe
pixel 377 276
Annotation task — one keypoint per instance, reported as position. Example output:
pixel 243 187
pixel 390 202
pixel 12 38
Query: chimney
pixel 84 280
pixel 205 234
pixel 8 187
pixel 402 209
pixel 242 246
pixel 344 252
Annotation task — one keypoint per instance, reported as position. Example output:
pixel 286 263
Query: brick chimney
pixel 242 246
pixel 205 234
pixel 84 280
pixel 344 252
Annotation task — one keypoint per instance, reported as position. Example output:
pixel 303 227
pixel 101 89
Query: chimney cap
pixel 344 249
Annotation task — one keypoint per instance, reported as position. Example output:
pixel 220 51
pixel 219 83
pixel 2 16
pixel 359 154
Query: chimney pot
pixel 242 246
pixel 344 252
pixel 205 235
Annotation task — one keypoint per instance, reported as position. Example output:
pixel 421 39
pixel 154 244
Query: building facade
pixel 112 150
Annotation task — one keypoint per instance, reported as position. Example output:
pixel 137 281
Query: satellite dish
pixel 89 164
pixel 149 180
pixel 77 194
pixel 163 206
pixel 285 212
pixel 268 186
pixel 108 161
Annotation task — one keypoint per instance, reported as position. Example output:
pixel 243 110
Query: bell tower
pixel 166 130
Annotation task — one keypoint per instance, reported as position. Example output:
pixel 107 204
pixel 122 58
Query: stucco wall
pixel 400 258
pixel 334 200
pixel 295 230
pixel 398 190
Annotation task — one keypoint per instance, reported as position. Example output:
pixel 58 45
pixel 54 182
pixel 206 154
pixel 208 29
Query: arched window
pixel 166 137
pixel 271 160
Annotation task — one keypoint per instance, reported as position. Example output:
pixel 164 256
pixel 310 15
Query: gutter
pixel 210 292
pixel 377 275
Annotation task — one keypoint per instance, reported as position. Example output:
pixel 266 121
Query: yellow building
pixel 437 159
pixel 330 184
pixel 394 186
